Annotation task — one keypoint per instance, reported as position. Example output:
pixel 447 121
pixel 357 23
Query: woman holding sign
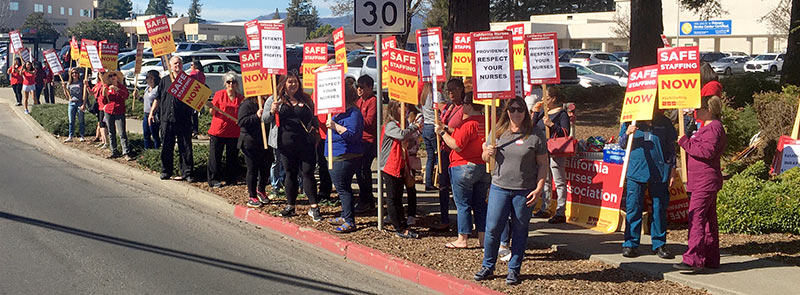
pixel 651 167
pixel 296 137
pixel 348 152
pixel 77 103
pixel 468 176
pixel 557 121
pixel 28 83
pixel 517 183
pixel 704 149
pixel 224 134
pixel 256 156
pixel 393 164
pixel 113 95
pixel 15 78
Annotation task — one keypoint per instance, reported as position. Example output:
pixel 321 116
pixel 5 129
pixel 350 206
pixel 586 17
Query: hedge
pixel 741 89
pixel 54 118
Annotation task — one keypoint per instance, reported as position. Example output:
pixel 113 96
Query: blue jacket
pixel 350 141
pixel 653 153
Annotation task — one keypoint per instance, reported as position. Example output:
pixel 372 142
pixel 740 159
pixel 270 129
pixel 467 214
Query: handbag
pixel 562 147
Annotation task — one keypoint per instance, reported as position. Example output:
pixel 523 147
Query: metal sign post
pixel 379 114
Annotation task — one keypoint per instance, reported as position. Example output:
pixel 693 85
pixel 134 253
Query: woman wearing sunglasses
pixel 224 134
pixel 517 183
pixel 557 121
pixel 77 103
pixel 113 94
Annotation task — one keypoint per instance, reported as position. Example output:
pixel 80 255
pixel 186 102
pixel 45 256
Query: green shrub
pixel 740 125
pixel 775 112
pixel 204 122
pixel 740 89
pixel 134 111
pixel 749 203
pixel 151 159
pixel 54 118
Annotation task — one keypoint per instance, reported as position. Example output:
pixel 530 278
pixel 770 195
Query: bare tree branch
pixel 5 12
pixel 622 25
pixel 778 19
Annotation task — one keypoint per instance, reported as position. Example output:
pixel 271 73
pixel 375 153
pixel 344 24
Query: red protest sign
pixel 431 57
pixel 679 77
pixel 329 89
pixel 462 55
pixel 518 39
pixel 273 48
pixel 255 81
pixel 160 35
pixel 315 55
pixel 493 65
pixel 108 55
pixel 542 56
pixel 16 41
pixel 189 90
pixel 593 197
pixel 340 51
pixel 665 40
pixel 403 73
pixel 252 34
pixel 52 59
pixel 390 42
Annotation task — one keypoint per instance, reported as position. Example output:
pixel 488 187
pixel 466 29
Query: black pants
pixel 37 92
pixel 258 161
pixel 47 92
pixel 17 92
pixel 325 183
pixel 411 191
pixel 215 171
pixel 364 177
pixel 296 162
pixel 182 133
pixel 195 122
pixel 394 201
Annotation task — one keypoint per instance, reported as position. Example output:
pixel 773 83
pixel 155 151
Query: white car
pixel 586 58
pixel 615 71
pixel 188 56
pixel 147 65
pixel 214 70
pixel 589 78
pixel 769 62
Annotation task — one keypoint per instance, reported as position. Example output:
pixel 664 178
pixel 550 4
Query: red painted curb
pixel 361 254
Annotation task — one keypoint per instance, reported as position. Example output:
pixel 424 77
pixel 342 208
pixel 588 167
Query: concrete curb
pixel 367 256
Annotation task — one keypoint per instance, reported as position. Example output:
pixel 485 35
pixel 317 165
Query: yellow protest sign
pixel 403 80
pixel 160 35
pixel 679 77
pixel 315 55
pixel 518 47
pixel 255 82
pixel 189 91
pixel 640 95
pixel 462 55
pixel 340 51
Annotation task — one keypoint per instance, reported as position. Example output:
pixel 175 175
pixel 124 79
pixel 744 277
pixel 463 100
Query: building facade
pixel 60 13
pixel 206 33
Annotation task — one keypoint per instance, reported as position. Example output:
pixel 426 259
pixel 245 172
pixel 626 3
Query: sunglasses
pixel 516 110
pixel 230 82
pixel 112 75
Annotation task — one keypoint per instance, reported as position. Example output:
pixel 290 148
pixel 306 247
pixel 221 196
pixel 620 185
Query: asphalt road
pixel 66 230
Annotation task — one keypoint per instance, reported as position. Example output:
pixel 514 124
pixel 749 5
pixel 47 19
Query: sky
pixel 227 10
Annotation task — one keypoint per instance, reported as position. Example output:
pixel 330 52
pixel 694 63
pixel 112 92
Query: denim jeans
pixel 502 204
pixel 429 137
pixel 73 110
pixel 152 140
pixel 276 171
pixel 634 203
pixel 342 177
pixel 116 125
pixel 470 184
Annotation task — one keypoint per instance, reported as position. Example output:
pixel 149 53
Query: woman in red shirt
pixel 15 77
pixel 468 178
pixel 112 93
pixel 28 83
pixel 224 133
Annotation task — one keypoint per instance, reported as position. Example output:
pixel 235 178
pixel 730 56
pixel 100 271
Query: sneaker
pixel 408 234
pixel 27 112
pixel 262 196
pixel 69 139
pixel 512 278
pixel 82 139
pixel 216 184
pixel 103 146
pixel 483 274
pixel 315 215
pixel 254 203
pixel 504 254
pixel 557 219
pixel 18 104
pixel 128 158
pixel 165 176
pixel 288 211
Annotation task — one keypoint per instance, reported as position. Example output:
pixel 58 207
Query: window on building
pixel 86 13
pixel 70 11
pixel 202 37
pixel 13 5
pixel 50 9
pixel 38 8
pixel 219 38
pixel 62 10
pixel 191 37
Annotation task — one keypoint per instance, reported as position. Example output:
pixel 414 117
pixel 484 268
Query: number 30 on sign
pixel 379 16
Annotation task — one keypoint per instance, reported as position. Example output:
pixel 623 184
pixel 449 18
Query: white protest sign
pixel 52 60
pixel 790 157
pixel 16 41
pixel 26 54
pixel 94 57
pixel 430 54
pixel 329 89
pixel 542 57
pixel 493 67
pixel 273 48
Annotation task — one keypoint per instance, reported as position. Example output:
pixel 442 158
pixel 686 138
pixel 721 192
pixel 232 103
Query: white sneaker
pixel 82 139
pixel 69 139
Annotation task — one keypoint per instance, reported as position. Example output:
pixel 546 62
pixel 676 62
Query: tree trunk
pixel 465 16
pixel 791 65
pixel 646 28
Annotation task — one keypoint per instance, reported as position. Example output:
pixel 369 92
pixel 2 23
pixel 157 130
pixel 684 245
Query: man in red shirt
pixel 367 103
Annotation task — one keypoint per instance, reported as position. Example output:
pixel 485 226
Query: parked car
pixel 710 57
pixel 147 65
pixel 190 56
pixel 565 54
pixel 126 57
pixel 586 58
pixel 358 66
pixel 730 65
pixel 188 46
pixel 770 62
pixel 214 70
pixel 589 78
pixel 622 55
pixel 615 71
pixel 294 59
pixel 736 54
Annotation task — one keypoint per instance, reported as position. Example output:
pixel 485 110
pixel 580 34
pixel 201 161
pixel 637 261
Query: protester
pixel 196 72
pixel 367 103
pixel 28 84
pixel 651 166
pixel 101 132
pixel 413 116
pixel 15 79
pixel 348 151
pixel 47 91
pixel 73 89
pixel 251 141
pixel 224 134
pixel 704 150
pixel 175 117
pixel 557 121
pixel 709 81
pixel 428 135
pixel 39 82
pixel 451 117
pixel 325 181
pixel 517 182
pixel 296 138
pixel 113 93
pixel 469 179
pixel 394 167
pixel 152 139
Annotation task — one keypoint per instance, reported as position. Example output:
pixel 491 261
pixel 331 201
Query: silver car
pixel 730 65
pixel 618 72
pixel 586 58
pixel 589 78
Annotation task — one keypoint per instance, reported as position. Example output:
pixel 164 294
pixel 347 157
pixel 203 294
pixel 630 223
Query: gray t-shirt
pixel 76 93
pixel 427 109
pixel 516 160
pixel 148 97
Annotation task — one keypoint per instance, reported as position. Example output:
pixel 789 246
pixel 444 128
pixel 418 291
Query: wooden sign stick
pixel 486 111
pixel 796 127
pixel 682 132
pixel 493 113
pixel 330 145
pixel 626 158
pixel 85 88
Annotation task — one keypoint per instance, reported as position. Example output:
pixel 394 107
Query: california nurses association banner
pixel 593 194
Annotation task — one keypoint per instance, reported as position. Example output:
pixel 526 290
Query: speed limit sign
pixel 379 17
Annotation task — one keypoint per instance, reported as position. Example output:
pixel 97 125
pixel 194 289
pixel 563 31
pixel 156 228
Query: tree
pixel 98 29
pixel 277 14
pixel 791 65
pixel 302 13
pixel 35 22
pixel 235 42
pixel 778 19
pixel 322 30
pixel 194 12
pixel 159 7
pixel 5 15
pixel 706 9
pixel 114 9
pixel 622 25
